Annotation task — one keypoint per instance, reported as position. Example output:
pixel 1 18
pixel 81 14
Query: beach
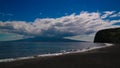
pixel 107 57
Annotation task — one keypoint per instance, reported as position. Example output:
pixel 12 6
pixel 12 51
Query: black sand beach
pixel 108 57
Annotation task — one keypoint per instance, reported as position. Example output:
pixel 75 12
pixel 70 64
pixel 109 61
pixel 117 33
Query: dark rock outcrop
pixel 108 36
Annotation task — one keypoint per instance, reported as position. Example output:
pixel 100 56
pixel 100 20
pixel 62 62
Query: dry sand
pixel 108 57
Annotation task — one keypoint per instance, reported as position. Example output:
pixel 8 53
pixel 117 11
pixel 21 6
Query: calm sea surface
pixel 23 49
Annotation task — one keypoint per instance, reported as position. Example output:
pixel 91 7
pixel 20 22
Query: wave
pixel 62 52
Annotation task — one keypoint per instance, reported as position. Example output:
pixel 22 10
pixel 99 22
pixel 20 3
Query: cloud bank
pixel 85 23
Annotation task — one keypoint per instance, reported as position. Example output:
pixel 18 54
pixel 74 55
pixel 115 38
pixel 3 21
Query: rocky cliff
pixel 108 36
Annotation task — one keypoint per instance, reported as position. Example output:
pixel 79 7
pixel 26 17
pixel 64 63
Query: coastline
pixel 55 54
pixel 107 57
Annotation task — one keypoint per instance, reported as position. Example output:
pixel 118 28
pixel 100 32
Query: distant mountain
pixel 45 39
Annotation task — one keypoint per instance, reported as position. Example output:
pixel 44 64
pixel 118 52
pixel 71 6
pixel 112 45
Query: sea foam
pixel 63 52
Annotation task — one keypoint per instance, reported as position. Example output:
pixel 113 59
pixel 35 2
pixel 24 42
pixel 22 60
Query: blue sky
pixel 29 10
pixel 62 18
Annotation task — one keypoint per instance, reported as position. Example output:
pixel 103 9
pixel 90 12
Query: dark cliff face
pixel 108 36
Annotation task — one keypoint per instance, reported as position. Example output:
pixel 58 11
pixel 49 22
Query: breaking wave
pixel 62 52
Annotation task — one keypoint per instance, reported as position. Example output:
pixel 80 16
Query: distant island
pixel 111 35
pixel 46 39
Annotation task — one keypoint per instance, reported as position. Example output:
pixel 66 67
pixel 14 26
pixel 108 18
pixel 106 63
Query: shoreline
pixel 107 57
pixel 54 54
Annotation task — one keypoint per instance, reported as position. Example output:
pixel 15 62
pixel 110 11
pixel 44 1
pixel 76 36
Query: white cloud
pixel 107 14
pixel 5 14
pixel 83 24
pixel 10 36
pixel 116 15
pixel 89 38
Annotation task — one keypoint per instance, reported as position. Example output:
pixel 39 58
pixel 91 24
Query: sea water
pixel 25 49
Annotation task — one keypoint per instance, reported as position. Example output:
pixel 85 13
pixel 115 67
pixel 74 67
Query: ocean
pixel 25 49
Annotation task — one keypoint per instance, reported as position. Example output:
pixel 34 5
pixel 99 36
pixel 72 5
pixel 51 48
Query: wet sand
pixel 108 57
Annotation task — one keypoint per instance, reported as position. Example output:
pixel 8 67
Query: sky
pixel 58 18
